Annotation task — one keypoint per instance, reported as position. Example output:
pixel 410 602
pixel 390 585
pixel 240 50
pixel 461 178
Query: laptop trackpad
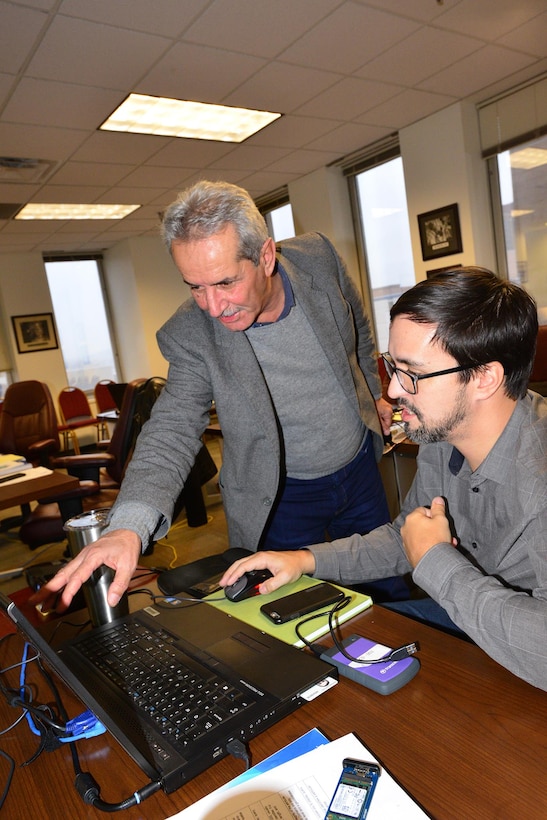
pixel 237 649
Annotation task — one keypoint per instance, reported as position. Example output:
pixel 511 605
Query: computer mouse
pixel 247 585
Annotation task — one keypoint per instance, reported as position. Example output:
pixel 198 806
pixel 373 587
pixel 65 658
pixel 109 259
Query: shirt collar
pixel 289 298
pixel 502 449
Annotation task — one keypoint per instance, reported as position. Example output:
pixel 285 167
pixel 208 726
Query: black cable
pixel 85 783
pixel 398 654
pixel 339 605
pixel 9 778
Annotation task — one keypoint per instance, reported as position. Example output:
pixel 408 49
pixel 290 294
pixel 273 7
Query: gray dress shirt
pixel 494 585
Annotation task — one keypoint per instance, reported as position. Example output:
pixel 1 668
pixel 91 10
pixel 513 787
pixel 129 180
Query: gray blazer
pixel 207 361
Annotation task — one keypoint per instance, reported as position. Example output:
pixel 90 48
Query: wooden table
pixel 13 494
pixel 466 738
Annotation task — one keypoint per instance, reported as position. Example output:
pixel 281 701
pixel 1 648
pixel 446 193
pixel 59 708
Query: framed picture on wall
pixel 34 332
pixel 440 233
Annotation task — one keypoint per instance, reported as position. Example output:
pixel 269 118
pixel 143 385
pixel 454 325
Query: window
pixel 381 200
pixel 280 222
pixel 520 177
pixel 81 319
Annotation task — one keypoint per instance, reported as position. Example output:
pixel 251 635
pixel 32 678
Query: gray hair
pixel 206 208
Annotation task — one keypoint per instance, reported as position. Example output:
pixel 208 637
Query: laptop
pixel 205 678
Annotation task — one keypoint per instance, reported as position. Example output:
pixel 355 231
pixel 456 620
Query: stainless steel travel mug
pixel 82 530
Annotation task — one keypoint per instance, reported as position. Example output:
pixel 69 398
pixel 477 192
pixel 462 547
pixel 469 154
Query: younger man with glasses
pixel 473 528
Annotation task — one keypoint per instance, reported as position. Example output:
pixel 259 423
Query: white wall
pixel 320 201
pixel 144 288
pixel 442 165
pixel 24 289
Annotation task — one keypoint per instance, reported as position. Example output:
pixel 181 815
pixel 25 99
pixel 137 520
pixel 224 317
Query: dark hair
pixel 480 318
pixel 206 208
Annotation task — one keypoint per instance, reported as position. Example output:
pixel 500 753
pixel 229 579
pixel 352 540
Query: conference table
pixel 466 738
pixel 37 483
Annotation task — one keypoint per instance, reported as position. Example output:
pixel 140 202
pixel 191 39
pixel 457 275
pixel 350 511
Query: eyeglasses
pixel 409 381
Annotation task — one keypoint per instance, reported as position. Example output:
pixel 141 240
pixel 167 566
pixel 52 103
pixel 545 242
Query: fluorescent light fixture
pixel 167 117
pixel 522 212
pixel 529 158
pixel 53 210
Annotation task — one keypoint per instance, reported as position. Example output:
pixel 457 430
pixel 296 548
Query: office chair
pixel 28 422
pixel 75 413
pixel 28 427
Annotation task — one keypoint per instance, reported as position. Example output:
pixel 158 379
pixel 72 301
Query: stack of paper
pixel 249 611
pixel 301 786
pixel 10 463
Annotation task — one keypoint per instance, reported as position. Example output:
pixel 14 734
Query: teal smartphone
pixel 353 794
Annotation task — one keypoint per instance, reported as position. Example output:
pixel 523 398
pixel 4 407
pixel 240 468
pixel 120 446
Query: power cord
pixel 53 731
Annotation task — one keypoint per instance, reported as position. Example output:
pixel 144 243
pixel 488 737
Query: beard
pixel 440 431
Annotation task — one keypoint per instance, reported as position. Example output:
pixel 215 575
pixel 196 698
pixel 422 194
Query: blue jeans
pixel 335 506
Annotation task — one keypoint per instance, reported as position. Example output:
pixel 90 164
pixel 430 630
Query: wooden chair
pixel 75 414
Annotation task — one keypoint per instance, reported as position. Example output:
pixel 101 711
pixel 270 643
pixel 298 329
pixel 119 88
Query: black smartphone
pixel 353 794
pixel 300 603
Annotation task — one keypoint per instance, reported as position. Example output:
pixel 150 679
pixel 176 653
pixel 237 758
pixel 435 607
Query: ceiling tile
pixel 282 87
pixel 114 57
pixel 530 37
pixel 424 10
pixel 490 19
pixel 406 108
pixel 39 142
pixel 152 176
pixel 69 193
pixel 168 18
pixel 89 173
pixel 250 158
pixel 108 146
pixel 476 71
pixel 348 98
pixel 187 153
pixel 264 34
pixel 192 72
pixel 294 131
pixel 42 102
pixel 423 54
pixel 18 32
pixel 340 42
pixel 348 138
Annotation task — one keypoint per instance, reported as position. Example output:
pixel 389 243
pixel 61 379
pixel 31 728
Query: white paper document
pixel 301 789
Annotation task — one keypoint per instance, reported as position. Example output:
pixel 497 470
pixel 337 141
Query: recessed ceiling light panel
pixel 528 158
pixel 53 210
pixel 141 114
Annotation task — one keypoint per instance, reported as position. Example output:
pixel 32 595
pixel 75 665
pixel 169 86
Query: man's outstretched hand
pixel 120 550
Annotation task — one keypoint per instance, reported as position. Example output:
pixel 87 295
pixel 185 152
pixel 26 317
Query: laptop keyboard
pixel 183 698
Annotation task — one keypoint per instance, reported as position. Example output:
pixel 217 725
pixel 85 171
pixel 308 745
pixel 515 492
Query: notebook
pixel 193 655
pixel 249 611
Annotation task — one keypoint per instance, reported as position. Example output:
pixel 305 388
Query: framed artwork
pixel 440 232
pixel 34 332
pixel 435 271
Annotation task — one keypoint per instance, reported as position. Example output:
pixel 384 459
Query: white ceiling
pixel 344 73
